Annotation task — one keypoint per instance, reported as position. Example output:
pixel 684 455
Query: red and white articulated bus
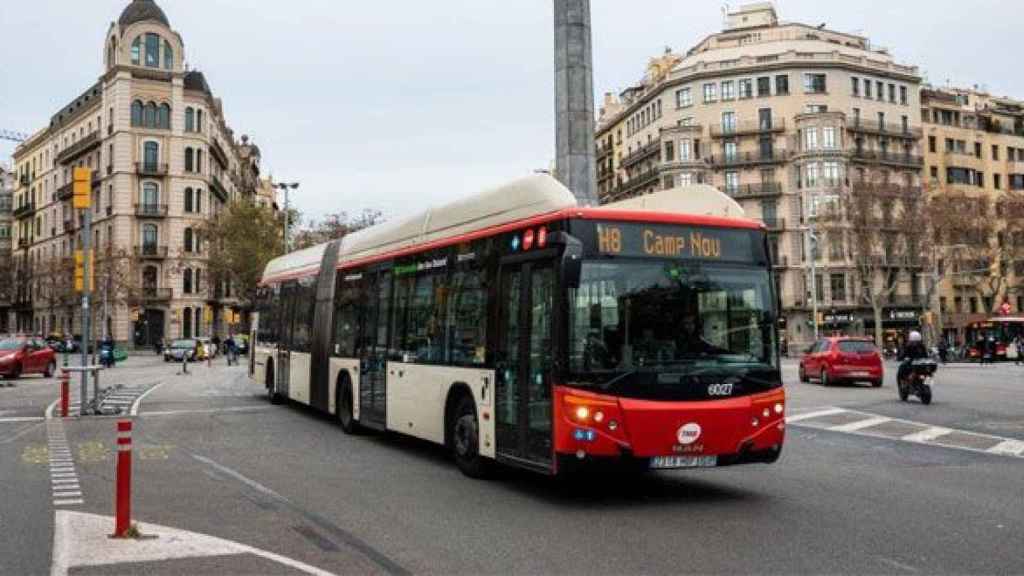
pixel 515 326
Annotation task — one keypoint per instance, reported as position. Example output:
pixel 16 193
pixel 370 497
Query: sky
pixel 398 105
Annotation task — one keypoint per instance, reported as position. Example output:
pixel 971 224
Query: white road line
pixel 926 435
pixel 73 502
pixel 207 411
pixel 815 414
pixel 16 419
pixel 1011 447
pixel 68 494
pixel 57 487
pixel 64 481
pixel 860 424
pixel 64 475
pixel 238 476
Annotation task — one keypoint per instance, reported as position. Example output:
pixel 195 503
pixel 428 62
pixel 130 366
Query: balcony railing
pixel 156 294
pixel 24 179
pixel 151 169
pixel 641 154
pixel 218 189
pixel 748 158
pixel 79 148
pixel 761 190
pixel 69 225
pixel 887 129
pixel 747 128
pixel 151 251
pixel 218 153
pixel 66 192
pixel 890 158
pixel 151 210
pixel 26 210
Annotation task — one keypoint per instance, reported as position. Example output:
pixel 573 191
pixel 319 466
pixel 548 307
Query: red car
pixel 842 359
pixel 23 355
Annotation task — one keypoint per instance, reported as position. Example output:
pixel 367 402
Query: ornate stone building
pixel 6 280
pixel 164 160
pixel 780 116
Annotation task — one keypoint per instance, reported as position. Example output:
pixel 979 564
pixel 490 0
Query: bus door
pixel 524 359
pixel 373 352
pixel 284 355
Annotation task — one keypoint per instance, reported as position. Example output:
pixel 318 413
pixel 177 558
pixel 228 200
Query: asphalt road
pixel 212 456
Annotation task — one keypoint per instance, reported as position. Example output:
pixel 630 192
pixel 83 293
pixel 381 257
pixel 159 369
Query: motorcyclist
pixel 913 350
pixel 107 351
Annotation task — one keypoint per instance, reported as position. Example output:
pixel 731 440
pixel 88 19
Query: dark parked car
pixel 842 359
pixel 23 355
pixel 180 348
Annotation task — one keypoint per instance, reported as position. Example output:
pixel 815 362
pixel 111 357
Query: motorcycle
pixel 919 381
pixel 107 359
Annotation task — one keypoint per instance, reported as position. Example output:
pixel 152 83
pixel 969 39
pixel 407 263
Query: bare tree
pixel 335 226
pixel 52 276
pixel 887 227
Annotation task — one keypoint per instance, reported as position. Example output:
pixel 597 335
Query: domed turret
pixel 141 11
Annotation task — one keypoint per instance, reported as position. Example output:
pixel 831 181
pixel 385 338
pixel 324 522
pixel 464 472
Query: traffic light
pixel 80 271
pixel 82 188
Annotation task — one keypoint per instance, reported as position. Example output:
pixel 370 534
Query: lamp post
pixel 286 186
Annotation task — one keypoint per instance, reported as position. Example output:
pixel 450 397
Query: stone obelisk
pixel 575 164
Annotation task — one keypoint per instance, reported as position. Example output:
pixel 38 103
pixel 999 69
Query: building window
pixel 190 165
pixel 149 239
pixel 832 174
pixel 150 194
pixel 190 120
pixel 686 179
pixel 892 93
pixel 814 83
pixel 812 175
pixel 867 88
pixel 811 138
pixel 137 51
pixel 764 86
pixel 670 152
pixel 710 93
pixel 729 149
pixel 199 120
pixel 732 182
pixel 838 285
pixel 995 152
pixel 189 204
pixel 828 134
pixel 186 281
pixel 189 240
pixel 997 181
pixel 199 161
pixel 746 88
pixel 880 90
pixel 855 86
pixel 168 56
pixel 728 90
pixel 782 85
pixel 931 144
pixel 684 98
pixel 152 50
pixel 684 150
pixel 903 95
pixel 728 122
pixel 149 115
pixel 150 156
pixel 163 119
pixel 137 113
pixel 199 201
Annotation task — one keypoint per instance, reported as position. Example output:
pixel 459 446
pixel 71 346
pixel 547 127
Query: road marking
pixel 64 486
pixel 860 424
pixel 81 539
pixel 927 435
pixel 16 419
pixel 1012 447
pixel 66 502
pixel 207 411
pixel 815 414
pixel 67 494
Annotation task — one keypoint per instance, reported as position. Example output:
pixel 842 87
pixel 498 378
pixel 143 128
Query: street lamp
pixel 286 186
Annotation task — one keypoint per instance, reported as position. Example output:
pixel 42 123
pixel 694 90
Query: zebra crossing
pixel 116 400
pixel 65 488
pixel 847 421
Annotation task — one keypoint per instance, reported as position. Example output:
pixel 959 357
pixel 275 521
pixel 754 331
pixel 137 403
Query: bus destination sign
pixel 682 242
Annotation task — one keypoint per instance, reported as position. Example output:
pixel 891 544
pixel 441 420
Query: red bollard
pixel 123 496
pixel 65 392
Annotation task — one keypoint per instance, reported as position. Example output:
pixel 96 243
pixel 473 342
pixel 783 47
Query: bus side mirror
pixel 571 263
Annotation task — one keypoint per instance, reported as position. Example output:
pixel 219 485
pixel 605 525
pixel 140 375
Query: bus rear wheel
pixel 343 404
pixel 465 440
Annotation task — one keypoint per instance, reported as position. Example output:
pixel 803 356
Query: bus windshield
pixel 665 329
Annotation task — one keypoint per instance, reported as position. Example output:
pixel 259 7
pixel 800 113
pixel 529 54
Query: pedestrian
pixel 216 348
pixel 231 350
pixel 1018 343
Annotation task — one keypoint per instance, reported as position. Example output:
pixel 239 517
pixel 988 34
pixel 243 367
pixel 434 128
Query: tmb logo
pixel 688 433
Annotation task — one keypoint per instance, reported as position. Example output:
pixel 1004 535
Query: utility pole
pixel 82 188
pixel 812 240
pixel 575 164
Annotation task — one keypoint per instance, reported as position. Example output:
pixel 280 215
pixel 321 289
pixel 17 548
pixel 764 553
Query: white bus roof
pixel 522 199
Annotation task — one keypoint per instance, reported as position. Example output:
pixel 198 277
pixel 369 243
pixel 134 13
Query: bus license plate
pixel 666 462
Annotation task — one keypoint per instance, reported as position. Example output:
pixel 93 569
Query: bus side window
pixel 466 330
pixel 346 320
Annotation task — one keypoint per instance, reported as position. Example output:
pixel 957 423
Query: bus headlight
pixel 779 408
pixel 582 413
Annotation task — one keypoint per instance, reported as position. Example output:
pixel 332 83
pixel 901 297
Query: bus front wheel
pixel 465 436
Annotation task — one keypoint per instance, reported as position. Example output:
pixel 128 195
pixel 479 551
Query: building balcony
pixel 150 295
pixel 25 210
pixel 652 149
pixel 69 225
pixel 777 224
pixel 151 169
pixel 151 252
pixel 24 179
pixel 629 188
pixel 886 129
pixel 76 150
pixel 218 189
pixel 66 192
pixel 748 128
pixel 762 190
pixel 151 210
pixel 745 159
pixel 687 129
pixel 218 153
pixel 899 160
